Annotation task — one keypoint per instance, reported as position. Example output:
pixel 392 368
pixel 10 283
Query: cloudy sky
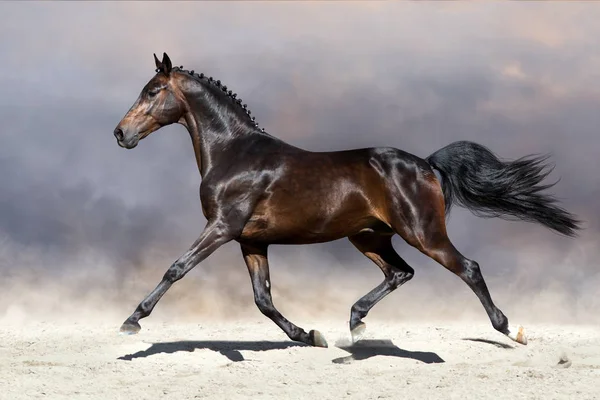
pixel 519 78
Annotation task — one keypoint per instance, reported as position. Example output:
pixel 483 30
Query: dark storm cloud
pixel 519 78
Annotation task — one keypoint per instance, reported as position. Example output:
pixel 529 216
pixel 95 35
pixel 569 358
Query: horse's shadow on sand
pixel 365 349
pixel 232 350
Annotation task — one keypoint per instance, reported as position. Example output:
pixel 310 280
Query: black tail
pixel 475 178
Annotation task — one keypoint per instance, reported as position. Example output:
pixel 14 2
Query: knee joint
pixel 174 273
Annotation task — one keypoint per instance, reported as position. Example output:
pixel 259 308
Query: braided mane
pixel 219 85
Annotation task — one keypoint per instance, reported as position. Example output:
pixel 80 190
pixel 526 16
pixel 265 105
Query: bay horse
pixel 259 190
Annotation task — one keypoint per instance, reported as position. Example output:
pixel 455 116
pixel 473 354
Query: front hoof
pixel 517 334
pixel 358 331
pixel 129 328
pixel 318 340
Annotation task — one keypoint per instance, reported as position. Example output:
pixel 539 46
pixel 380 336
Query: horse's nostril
pixel 119 134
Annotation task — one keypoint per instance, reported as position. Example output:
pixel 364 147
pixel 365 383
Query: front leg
pixel 215 234
pixel 258 267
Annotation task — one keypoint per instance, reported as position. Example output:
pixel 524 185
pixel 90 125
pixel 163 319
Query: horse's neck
pixel 227 139
pixel 212 148
pixel 246 150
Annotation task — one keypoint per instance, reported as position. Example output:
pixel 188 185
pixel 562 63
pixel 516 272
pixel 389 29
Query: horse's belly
pixel 301 229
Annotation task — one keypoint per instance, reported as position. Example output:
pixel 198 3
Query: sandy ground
pixel 253 359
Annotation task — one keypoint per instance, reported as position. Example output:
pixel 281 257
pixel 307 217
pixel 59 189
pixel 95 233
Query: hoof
pixel 358 332
pixel 317 339
pixel 517 333
pixel 129 328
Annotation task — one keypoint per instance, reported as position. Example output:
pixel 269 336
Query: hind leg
pixel 378 248
pixel 437 245
pixel 468 270
pixel 425 229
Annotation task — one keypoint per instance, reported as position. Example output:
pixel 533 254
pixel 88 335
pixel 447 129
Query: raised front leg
pixel 258 267
pixel 215 235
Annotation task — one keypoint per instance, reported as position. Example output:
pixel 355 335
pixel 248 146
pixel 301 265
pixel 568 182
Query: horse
pixel 258 190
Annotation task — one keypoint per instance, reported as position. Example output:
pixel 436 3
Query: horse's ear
pixel 163 66
pixel 159 65
pixel 166 62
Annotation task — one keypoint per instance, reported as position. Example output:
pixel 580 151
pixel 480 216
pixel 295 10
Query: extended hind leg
pixel 420 220
pixel 378 248
pixel 468 270
pixel 439 247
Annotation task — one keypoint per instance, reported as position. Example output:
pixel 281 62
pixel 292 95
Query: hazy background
pixel 84 223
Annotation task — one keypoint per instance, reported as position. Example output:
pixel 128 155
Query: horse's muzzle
pixel 124 141
pixel 119 134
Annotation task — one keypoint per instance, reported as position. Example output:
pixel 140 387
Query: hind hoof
pixel 517 333
pixel 318 339
pixel 358 332
pixel 129 328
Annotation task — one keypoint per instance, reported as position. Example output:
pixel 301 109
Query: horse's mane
pixel 202 78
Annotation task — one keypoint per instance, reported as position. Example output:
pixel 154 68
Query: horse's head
pixel 159 104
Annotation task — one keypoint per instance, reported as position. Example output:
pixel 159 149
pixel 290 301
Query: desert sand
pixel 252 358
pixel 206 338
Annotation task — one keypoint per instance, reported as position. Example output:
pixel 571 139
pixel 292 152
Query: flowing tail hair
pixel 475 178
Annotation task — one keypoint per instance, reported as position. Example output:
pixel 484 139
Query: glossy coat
pixel 258 190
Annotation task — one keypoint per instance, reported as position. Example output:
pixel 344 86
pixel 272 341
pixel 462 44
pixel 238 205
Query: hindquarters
pixel 414 202
pixel 417 213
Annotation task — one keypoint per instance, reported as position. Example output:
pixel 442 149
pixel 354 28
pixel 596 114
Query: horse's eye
pixel 152 93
